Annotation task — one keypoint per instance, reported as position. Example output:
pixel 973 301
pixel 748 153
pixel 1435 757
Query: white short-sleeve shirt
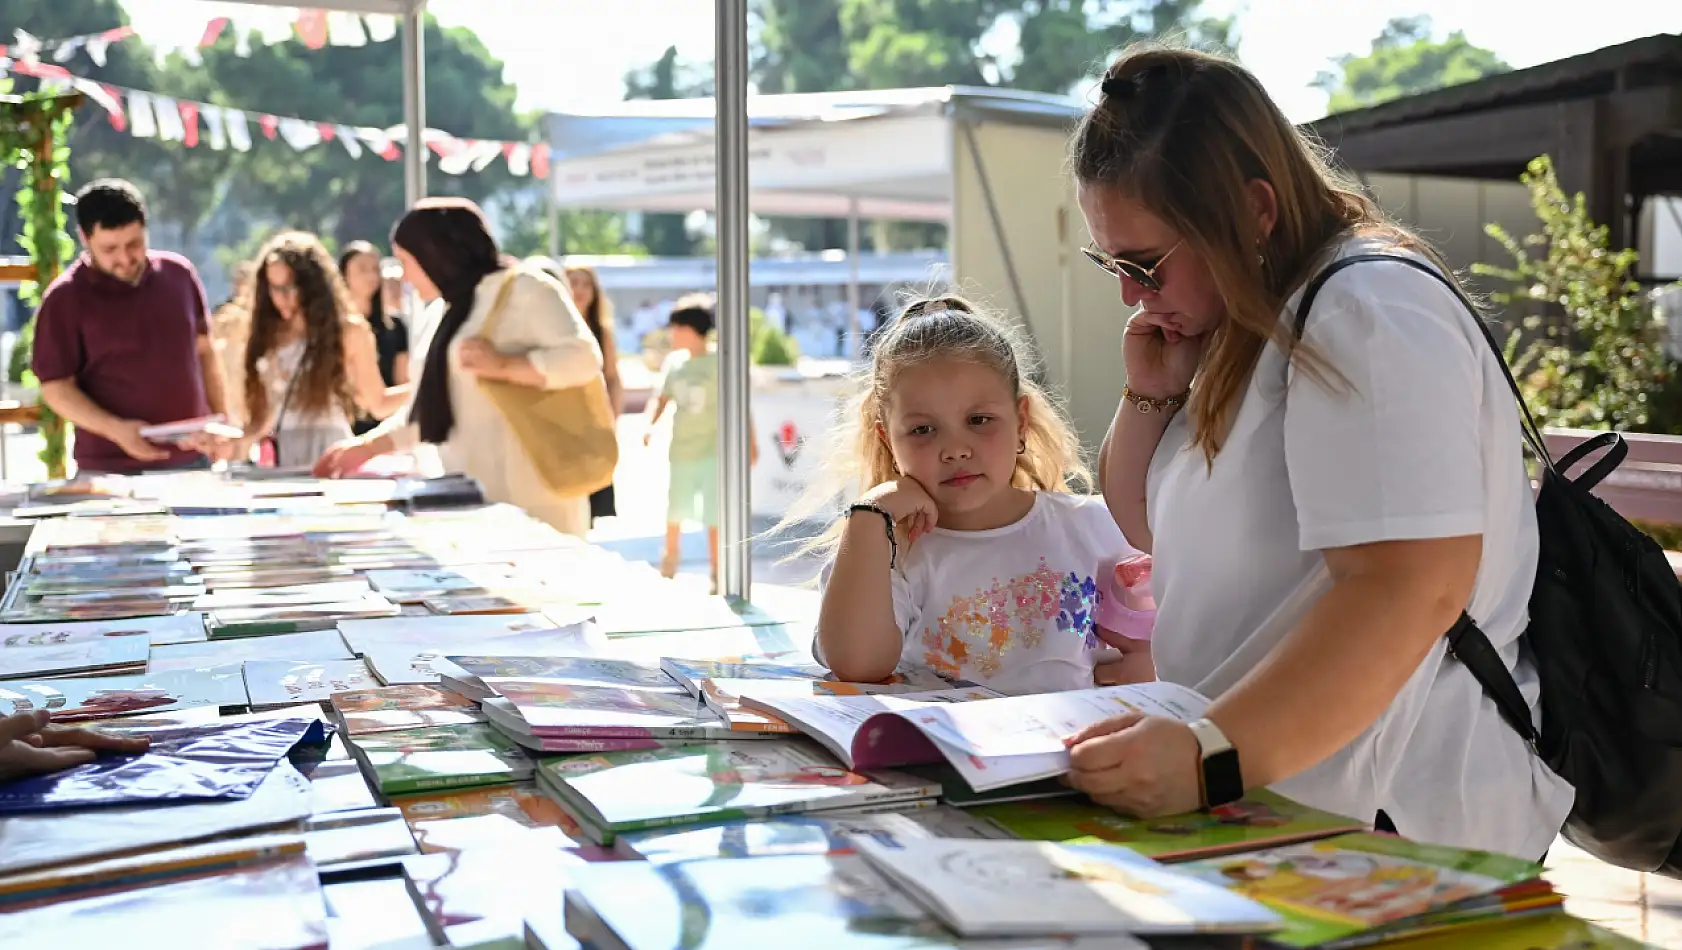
pixel 1009 608
pixel 1420 439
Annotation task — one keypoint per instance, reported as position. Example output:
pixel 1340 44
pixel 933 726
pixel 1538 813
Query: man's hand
pixel 30 746
pixel 126 436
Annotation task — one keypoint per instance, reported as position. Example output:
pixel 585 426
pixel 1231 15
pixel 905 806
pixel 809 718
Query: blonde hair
pixel 935 328
pixel 1183 133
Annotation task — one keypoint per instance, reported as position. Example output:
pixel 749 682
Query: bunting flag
pixel 314 27
pixel 145 114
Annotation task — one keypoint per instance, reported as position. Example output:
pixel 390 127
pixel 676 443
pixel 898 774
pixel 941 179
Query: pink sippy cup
pixel 1125 605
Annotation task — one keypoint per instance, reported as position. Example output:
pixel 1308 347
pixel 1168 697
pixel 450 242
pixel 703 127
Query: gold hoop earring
pixel 1022 447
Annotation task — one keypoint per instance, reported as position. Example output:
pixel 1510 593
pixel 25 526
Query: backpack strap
pixel 1466 642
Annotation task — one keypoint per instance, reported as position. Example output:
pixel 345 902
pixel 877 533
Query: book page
pixel 1037 724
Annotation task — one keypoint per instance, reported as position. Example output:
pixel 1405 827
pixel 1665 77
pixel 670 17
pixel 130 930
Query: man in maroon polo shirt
pixel 122 340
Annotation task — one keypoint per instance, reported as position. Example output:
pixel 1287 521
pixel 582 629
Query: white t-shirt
pixel 1422 442
pixel 1009 608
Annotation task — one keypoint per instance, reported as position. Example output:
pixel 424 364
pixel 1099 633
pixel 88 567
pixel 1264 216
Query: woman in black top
pixel 360 265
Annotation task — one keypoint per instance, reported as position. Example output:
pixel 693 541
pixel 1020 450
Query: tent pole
pixel 731 143
pixel 414 101
pixel 853 278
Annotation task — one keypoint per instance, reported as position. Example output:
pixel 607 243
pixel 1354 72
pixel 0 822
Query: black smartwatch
pixel 1219 781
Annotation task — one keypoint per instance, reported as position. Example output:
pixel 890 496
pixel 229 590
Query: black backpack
pixel 1606 634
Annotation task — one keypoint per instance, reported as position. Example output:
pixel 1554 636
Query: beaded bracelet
pixel 893 542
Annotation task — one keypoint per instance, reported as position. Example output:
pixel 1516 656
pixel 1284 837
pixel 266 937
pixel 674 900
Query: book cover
pixel 315 645
pixel 1338 887
pixel 84 657
pixel 299 618
pixel 287 682
pixel 617 792
pixel 472 633
pixel 568 671
pixel 469 898
pixel 251 904
pixel 730 903
pixel 358 837
pixel 819 833
pixel 418 760
pixel 395 708
pixel 783 666
pixel 502 716
pixel 996 888
pixel 100 697
pixel 158 631
pixel 556 710
pixel 295 595
pixel 1261 820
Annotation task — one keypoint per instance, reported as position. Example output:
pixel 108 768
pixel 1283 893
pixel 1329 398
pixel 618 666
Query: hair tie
pixel 1120 87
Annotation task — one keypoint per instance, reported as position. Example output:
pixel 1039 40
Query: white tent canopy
pixel 883 154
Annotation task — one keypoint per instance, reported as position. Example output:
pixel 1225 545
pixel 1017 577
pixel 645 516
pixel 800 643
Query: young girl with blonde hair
pixel 964 549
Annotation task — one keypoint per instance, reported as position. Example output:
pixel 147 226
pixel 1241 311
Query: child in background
pixel 965 551
pixel 689 384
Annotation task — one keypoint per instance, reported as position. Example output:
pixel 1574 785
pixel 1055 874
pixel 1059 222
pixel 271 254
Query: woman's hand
pixel 1160 362
pixel 343 458
pixel 482 359
pixel 30 746
pixel 908 503
pixel 1144 766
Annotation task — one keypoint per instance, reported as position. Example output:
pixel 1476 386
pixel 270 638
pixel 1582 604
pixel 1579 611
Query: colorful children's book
pixel 804 900
pixel 783 666
pixel 444 757
pixel 296 595
pixel 992 742
pixel 618 792
pixel 272 683
pixel 1364 885
pixel 484 673
pixel 1034 888
pixel 469 633
pixel 267 621
pixel 395 708
pixel 101 697
pixel 1261 820
pixel 247 894
pixel 358 838
pixel 506 719
pixel 554 710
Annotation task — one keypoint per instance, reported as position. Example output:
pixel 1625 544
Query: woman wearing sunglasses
pixel 1320 512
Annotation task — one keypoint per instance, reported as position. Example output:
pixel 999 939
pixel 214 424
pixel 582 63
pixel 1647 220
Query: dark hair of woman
pixel 374 307
pixel 325 303
pixel 451 241
pixel 599 307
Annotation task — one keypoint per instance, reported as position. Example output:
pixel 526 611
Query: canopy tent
pixel 988 162
pixel 410 13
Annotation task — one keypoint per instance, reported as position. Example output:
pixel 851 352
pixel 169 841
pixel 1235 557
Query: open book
pixel 993 741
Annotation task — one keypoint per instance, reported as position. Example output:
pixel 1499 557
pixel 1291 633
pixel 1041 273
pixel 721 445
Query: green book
pixel 1261 820
pixel 441 757
pixel 1367 886
pixel 617 792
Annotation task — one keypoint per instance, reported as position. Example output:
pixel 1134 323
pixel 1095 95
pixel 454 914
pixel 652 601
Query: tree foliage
pixel 1595 356
pixel 667 235
pixel 1405 60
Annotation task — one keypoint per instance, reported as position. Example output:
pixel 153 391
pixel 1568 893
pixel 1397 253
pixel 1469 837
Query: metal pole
pixel 853 278
pixel 414 101
pixel 731 81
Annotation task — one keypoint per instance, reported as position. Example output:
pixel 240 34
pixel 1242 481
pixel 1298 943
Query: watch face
pixel 1223 783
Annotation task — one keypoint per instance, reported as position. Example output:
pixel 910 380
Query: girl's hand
pixel 1160 362
pixel 30 746
pixel 909 504
pixel 344 458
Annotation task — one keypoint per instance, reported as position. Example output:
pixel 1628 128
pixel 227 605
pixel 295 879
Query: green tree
pixel 667 235
pixel 524 217
pixel 324 188
pixel 1596 354
pixel 1404 60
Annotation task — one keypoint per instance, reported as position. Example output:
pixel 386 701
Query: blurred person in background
pixel 539 341
pixel 122 341
pixel 360 265
pixel 311 360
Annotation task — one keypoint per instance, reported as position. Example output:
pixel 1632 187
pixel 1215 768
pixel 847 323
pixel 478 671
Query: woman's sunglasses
pixel 1138 273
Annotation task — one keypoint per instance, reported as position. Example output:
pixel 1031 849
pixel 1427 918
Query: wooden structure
pixel 1610 119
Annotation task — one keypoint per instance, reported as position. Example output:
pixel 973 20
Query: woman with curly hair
pixel 310 361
